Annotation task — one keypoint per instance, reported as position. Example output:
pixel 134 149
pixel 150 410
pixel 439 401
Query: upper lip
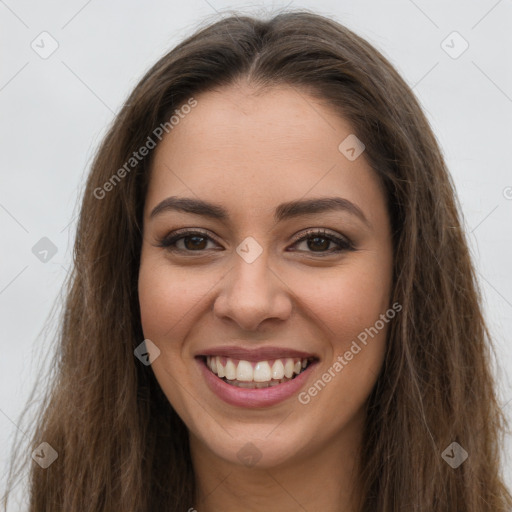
pixel 255 354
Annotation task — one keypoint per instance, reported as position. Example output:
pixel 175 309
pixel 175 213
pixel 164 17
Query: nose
pixel 251 293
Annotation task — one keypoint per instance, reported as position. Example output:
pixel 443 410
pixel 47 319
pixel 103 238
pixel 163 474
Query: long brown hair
pixel 120 444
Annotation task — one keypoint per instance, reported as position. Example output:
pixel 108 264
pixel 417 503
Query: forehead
pixel 252 149
pixel 267 122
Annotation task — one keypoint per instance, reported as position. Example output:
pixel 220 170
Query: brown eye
pixel 319 241
pixel 196 242
pixel 193 241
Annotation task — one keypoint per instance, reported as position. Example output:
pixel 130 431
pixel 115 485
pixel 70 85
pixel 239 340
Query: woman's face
pixel 244 290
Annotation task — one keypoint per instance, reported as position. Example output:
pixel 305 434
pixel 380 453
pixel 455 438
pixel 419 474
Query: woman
pixel 273 305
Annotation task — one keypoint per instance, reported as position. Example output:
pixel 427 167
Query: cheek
pixel 166 296
pixel 346 301
pixel 164 300
pixel 155 299
pixel 350 308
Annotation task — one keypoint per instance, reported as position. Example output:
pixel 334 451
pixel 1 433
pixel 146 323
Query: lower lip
pixel 263 397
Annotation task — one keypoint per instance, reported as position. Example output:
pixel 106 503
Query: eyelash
pixel 169 242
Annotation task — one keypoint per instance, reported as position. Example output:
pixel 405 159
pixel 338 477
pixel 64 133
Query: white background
pixel 55 111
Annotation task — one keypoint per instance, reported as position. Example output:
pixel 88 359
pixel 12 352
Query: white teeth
pixel 243 372
pixel 230 370
pixel 288 368
pixel 262 373
pixel 278 369
pixel 257 385
pixel 220 368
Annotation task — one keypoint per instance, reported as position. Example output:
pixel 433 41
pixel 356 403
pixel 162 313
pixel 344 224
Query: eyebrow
pixel 283 212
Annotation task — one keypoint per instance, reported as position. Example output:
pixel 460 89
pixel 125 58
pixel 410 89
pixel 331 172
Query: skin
pixel 249 151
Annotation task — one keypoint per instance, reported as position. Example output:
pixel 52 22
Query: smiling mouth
pixel 256 374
